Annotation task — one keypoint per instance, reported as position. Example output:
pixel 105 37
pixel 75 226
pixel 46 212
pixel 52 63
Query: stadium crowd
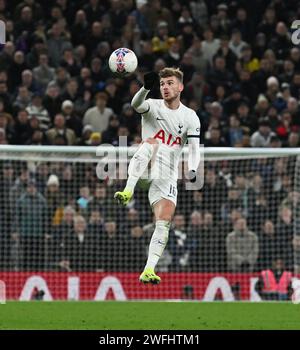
pixel 241 69
pixel 242 77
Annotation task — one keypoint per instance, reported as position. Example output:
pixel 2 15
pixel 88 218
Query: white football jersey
pixel 171 128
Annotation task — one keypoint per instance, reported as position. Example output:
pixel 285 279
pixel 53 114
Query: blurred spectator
pixel 96 221
pixel 147 56
pixel 226 52
pixel 36 108
pixel 54 200
pixel 242 248
pixel 219 74
pixel 37 136
pixel 236 43
pixel 293 109
pixel 193 242
pixel 110 135
pixel 296 247
pixel 69 63
pixel 215 139
pixel 52 100
pixel 57 43
pixel 130 118
pixel 173 56
pixel 60 80
pixel 60 129
pixel 262 137
pixel 284 230
pixel 80 248
pixel 22 128
pixel 23 98
pixel 281 42
pixel 86 135
pixel 268 23
pixel 19 187
pixel 235 131
pixel 6 123
pixel 269 245
pixel 196 88
pixel 98 116
pixel 16 68
pixel 94 9
pixel 233 201
pixel 6 183
pixel 110 244
pixel 71 91
pixel 275 283
pixel 43 73
pixel 79 27
pixel 30 228
pixel 68 182
pixel 84 199
pixel 28 81
pixel 293 140
pixel 72 120
pixel 248 121
pixel 135 242
pixel 210 45
pixel 177 244
pixel 214 190
pixel 248 62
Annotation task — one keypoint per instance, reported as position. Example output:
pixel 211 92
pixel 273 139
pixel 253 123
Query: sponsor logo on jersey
pixel 168 139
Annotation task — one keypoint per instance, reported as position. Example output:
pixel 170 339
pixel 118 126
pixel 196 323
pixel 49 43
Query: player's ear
pixel 181 87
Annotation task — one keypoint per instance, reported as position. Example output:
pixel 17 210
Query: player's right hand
pixel 150 79
pixel 192 176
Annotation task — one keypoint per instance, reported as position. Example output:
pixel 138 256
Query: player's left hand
pixel 192 176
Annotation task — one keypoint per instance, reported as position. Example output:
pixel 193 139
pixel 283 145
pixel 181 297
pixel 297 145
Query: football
pixel 123 61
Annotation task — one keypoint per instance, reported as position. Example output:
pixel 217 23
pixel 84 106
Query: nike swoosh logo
pixel 160 119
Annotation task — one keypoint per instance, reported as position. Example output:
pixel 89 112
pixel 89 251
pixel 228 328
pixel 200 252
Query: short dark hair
pixel 171 72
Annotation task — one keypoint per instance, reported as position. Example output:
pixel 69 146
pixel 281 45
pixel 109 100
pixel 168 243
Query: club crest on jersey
pixel 180 127
pixel 167 139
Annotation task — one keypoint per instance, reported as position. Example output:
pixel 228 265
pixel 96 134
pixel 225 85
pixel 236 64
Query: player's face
pixel 170 88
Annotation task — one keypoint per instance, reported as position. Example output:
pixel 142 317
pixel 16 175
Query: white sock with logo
pixel 158 242
pixel 138 165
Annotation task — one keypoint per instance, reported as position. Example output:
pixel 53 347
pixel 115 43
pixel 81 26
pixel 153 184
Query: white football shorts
pixel 162 188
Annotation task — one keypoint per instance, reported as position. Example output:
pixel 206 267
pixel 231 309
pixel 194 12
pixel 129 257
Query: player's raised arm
pixel 139 102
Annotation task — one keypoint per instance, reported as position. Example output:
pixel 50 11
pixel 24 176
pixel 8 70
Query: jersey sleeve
pixel 193 130
pixel 139 102
pixel 151 108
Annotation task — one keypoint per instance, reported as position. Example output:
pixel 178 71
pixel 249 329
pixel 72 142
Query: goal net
pixel 63 237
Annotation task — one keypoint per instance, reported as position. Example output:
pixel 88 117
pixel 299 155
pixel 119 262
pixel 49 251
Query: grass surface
pixel 148 315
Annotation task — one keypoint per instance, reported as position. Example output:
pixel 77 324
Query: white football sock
pixel 138 165
pixel 158 242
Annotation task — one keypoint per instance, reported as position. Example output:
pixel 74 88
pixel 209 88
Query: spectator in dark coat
pixel 80 249
pixel 31 228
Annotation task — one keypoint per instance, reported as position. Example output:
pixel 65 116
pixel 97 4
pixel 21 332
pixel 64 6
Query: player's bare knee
pixel 164 217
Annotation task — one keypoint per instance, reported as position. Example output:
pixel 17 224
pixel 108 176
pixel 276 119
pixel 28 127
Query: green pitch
pixel 148 315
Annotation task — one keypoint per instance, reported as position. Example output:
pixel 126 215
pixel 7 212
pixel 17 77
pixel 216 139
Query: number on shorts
pixel 172 191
